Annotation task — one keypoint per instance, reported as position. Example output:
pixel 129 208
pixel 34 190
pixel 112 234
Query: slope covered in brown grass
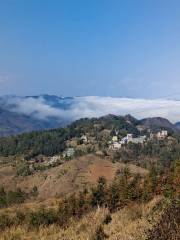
pixel 130 223
pixel 71 176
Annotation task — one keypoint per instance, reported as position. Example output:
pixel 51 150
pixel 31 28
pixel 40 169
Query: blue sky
pixel 116 48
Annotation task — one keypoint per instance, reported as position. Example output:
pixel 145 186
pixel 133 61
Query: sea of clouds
pixel 94 106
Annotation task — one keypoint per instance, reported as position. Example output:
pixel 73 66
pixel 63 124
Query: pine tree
pixel 99 193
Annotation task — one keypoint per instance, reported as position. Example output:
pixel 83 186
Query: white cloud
pixel 34 106
pixel 140 108
pixel 94 106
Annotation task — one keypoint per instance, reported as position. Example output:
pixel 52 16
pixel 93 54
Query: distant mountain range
pixel 158 122
pixel 177 125
pixel 31 113
pixel 25 114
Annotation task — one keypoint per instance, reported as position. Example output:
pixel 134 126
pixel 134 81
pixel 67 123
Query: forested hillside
pixel 131 192
pixel 51 142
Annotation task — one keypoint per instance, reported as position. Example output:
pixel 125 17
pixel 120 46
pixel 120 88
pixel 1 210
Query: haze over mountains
pixel 23 114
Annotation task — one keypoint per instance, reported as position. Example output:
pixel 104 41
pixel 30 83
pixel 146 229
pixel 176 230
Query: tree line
pixel 51 142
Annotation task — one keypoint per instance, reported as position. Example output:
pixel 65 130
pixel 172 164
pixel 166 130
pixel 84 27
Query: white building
pixel 162 134
pixel 53 160
pixel 115 146
pixel 140 139
pixel 69 152
pixel 129 137
pixel 124 140
pixel 152 136
pixel 114 139
pixel 84 139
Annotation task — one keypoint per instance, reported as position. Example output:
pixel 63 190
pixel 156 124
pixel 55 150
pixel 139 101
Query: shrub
pixel 100 234
pixel 3 202
pixel 168 225
pixel 5 221
pixel 107 219
pixel 19 218
pixel 23 169
pixel 11 197
pixel 34 191
pixel 15 197
pixel 42 217
pixel 99 193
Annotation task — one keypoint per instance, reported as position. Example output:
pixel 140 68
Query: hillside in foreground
pixel 115 171
pixel 132 222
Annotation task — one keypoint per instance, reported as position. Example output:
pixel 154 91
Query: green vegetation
pixel 168 227
pixel 161 153
pixel 23 169
pixel 51 142
pixel 100 234
pixel 127 188
pixel 11 197
pixel 160 158
pixel 35 143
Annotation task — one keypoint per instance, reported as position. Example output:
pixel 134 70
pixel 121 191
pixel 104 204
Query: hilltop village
pixel 84 144
pixel 117 143
pixel 115 137
pixel 95 170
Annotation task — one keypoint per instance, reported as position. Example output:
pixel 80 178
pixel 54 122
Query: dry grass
pixel 132 222
pixel 71 176
pixel 51 203
pixel 81 230
pixel 129 223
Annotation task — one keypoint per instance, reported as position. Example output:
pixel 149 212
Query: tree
pixel 23 169
pixel 99 193
pixel 100 234
pixel 3 202
pixel 176 177
pixel 134 191
pixel 153 178
pixel 113 196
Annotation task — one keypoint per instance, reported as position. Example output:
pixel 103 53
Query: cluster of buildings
pixel 160 135
pixel 58 159
pixel 116 144
pixel 68 153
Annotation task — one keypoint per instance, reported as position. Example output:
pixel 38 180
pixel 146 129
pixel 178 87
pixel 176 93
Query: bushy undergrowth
pixel 126 188
pixel 168 227
pixel 5 221
pixel 8 198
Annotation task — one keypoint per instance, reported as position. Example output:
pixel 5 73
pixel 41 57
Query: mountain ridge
pixel 41 112
pixel 158 122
